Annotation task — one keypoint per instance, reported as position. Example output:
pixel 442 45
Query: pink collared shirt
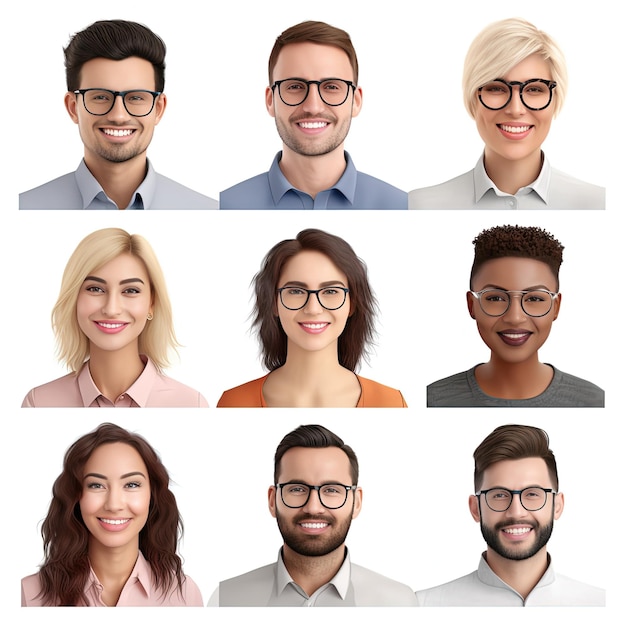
pixel 151 389
pixel 139 590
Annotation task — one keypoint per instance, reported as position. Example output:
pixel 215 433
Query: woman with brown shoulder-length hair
pixel 112 529
pixel 314 315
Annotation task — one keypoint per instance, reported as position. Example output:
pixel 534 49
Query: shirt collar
pixel 482 182
pixel 279 185
pixel 139 391
pixel 90 188
pixel 487 576
pixel 341 580
pixel 141 573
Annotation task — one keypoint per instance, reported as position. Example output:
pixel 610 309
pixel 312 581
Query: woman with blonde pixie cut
pixel 514 84
pixel 114 329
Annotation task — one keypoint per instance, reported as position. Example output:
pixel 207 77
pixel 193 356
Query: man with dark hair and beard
pixel 314 498
pixel 516 501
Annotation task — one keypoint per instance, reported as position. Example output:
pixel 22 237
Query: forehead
pixel 312 61
pixel 534 66
pixel 123 266
pixel 129 73
pixel 312 268
pixel 315 465
pixel 514 274
pixel 115 459
pixel 517 474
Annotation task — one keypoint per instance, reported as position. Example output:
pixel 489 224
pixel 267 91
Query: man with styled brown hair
pixel 313 94
pixel 516 500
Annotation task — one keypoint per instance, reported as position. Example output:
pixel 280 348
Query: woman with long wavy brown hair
pixel 112 529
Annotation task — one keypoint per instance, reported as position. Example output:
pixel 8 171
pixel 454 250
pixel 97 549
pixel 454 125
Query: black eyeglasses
pixel 137 102
pixel 330 298
pixel 535 94
pixel 294 91
pixel 499 499
pixel 332 495
pixel 496 302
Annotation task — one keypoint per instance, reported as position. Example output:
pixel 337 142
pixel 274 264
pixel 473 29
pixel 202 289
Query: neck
pixel 313 572
pixel 114 372
pixel 514 381
pixel 119 180
pixel 113 567
pixel 522 575
pixel 511 175
pixel 313 174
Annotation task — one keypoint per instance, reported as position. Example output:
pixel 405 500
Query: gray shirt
pixel 564 390
pixel 484 588
pixel 352 585
pixel 475 190
pixel 80 190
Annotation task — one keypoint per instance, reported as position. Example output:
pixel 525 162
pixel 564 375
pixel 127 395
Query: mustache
pixel 500 525
pixel 321 116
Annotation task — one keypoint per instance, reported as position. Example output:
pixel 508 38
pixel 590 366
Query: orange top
pixel 250 394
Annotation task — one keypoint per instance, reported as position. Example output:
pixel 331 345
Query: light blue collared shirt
pixel 475 190
pixel 353 190
pixel 80 190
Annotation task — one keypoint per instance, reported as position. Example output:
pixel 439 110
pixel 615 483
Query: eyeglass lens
pixel 497 94
pixel 532 499
pixel 99 102
pixel 331 496
pixel 534 303
pixel 294 92
pixel 295 298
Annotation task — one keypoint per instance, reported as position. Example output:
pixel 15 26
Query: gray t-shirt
pixel 565 390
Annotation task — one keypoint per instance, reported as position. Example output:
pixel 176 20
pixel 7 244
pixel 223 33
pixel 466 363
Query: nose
pixel 313 306
pixel 314 503
pixel 112 305
pixel 516 106
pixel 313 102
pixel 114 500
pixel 515 311
pixel 516 509
pixel 118 112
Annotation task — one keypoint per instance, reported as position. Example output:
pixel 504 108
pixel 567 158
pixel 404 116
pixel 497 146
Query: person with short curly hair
pixel 514 298
pixel 514 85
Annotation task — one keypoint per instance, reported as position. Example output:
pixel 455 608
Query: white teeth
pixel 514 129
pixel 114 522
pixel 315 525
pixel 517 531
pixel 515 335
pixel 313 124
pixel 315 326
pixel 110 325
pixel 117 133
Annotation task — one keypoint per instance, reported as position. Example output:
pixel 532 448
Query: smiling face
pixel 516 534
pixel 114 303
pixel 115 500
pixel 514 337
pixel 515 132
pixel 117 136
pixel 314 530
pixel 313 128
pixel 312 328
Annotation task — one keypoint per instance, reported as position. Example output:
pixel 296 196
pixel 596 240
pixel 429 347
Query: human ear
pixel 559 503
pixel 271 500
pixel 471 301
pixel 556 307
pixel 358 502
pixel 159 105
pixel 357 101
pixel 70 102
pixel 269 101
pixel 474 507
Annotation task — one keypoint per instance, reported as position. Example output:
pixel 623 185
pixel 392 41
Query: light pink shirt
pixel 151 389
pixel 139 590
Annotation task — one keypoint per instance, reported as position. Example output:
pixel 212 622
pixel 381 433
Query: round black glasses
pixel 535 94
pixel 496 302
pixel 137 102
pixel 330 298
pixel 499 499
pixel 296 495
pixel 294 91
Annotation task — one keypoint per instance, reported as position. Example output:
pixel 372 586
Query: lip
pixel 314 328
pixel 515 336
pixel 517 533
pixel 515 130
pixel 314 527
pixel 120 523
pixel 110 327
pixel 117 135
pixel 312 126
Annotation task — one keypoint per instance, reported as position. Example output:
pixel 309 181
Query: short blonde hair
pixel 500 47
pixel 94 251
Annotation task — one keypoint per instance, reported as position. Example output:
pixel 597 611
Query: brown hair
pixel 65 569
pixel 527 242
pixel 359 331
pixel 315 32
pixel 314 436
pixel 510 443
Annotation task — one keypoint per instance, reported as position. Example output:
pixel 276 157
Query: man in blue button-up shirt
pixel 313 96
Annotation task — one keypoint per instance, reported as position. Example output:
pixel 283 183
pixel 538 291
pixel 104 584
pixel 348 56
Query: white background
pixel 413 131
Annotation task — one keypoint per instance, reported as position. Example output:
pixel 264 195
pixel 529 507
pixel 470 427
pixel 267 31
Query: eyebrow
pixel 328 283
pixel 103 477
pixel 531 288
pixel 122 282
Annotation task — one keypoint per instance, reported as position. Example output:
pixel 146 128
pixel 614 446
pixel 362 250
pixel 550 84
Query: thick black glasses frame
pixel 319 83
pixel 513 492
pixel 513 83
pixel 345 290
pixel 313 488
pixel 122 95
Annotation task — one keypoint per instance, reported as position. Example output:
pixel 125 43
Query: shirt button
pixel 122 397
